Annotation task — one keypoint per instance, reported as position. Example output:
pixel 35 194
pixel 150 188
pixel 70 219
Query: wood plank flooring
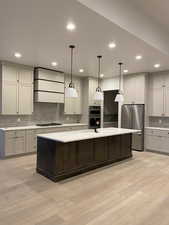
pixel 134 192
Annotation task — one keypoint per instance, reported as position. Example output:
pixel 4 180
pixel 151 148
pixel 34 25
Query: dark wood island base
pixel 57 160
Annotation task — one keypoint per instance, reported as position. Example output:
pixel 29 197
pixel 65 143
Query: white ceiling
pixel 157 9
pixel 37 30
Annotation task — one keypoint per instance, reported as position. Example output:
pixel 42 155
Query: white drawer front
pixel 157 132
pixel 12 134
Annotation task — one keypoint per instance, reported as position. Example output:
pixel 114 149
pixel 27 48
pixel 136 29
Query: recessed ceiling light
pixel 157 65
pixel 81 70
pixel 112 45
pixel 17 55
pixel 101 75
pixel 71 26
pixel 138 57
pixel 54 63
pixel 125 71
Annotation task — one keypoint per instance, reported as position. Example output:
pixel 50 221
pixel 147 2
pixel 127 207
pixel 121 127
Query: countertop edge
pixel 34 127
pixel 46 136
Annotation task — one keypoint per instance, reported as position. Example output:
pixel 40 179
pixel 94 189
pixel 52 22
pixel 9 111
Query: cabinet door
pixel 100 150
pixel 157 80
pixel 85 153
pixel 10 146
pixel 164 146
pixel 25 75
pixel 114 148
pixel 31 141
pixel 132 84
pixel 153 142
pixel 156 101
pixel 25 99
pixel 129 91
pixel 20 142
pixel 126 145
pixel 20 145
pixel 69 106
pixel 166 101
pixel 70 156
pixel 10 98
pixel 10 73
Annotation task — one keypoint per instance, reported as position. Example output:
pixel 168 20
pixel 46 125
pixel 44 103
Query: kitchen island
pixel 64 154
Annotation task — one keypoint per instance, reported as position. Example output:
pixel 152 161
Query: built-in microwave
pixel 94 116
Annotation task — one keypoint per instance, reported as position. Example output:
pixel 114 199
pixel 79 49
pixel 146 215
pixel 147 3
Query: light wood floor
pixel 135 192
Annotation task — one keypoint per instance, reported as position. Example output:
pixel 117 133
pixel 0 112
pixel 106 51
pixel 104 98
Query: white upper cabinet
pixel 159 94
pixel 134 89
pixel 73 106
pixel 9 73
pixel 9 98
pixel 156 101
pixel 25 76
pixel 16 89
pixel 25 99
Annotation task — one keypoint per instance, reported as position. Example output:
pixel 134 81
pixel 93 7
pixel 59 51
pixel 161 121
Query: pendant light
pixel 70 91
pixel 119 96
pixel 98 93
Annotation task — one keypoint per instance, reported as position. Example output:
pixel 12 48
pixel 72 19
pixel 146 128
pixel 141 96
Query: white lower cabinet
pixel 18 142
pixel 31 143
pixel 14 143
pixel 157 140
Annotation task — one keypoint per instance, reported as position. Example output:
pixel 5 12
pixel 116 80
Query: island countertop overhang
pixel 71 136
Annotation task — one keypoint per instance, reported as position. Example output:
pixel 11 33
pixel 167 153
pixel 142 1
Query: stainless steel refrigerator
pixel 133 118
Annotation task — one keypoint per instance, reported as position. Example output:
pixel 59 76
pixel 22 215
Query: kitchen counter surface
pixel 71 136
pixel 158 128
pixel 41 127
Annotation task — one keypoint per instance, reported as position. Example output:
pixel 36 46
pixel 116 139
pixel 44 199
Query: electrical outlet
pixel 67 118
pixel 19 119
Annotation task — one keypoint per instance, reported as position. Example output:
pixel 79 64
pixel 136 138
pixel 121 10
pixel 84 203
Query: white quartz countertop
pixel 41 127
pixel 158 128
pixel 70 136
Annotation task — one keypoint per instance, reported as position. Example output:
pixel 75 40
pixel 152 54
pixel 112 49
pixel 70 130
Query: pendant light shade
pixel 98 94
pixel 70 91
pixel 119 97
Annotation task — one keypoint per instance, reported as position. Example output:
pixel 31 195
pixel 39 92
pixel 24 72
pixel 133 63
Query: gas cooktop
pixel 47 124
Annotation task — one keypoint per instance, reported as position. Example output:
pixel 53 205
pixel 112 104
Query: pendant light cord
pixel 71 64
pixel 99 58
pixel 71 68
pixel 120 64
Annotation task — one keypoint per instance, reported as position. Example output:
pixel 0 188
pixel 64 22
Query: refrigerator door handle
pixel 139 133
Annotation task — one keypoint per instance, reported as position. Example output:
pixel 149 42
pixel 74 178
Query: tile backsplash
pixel 43 112
pixel 159 122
